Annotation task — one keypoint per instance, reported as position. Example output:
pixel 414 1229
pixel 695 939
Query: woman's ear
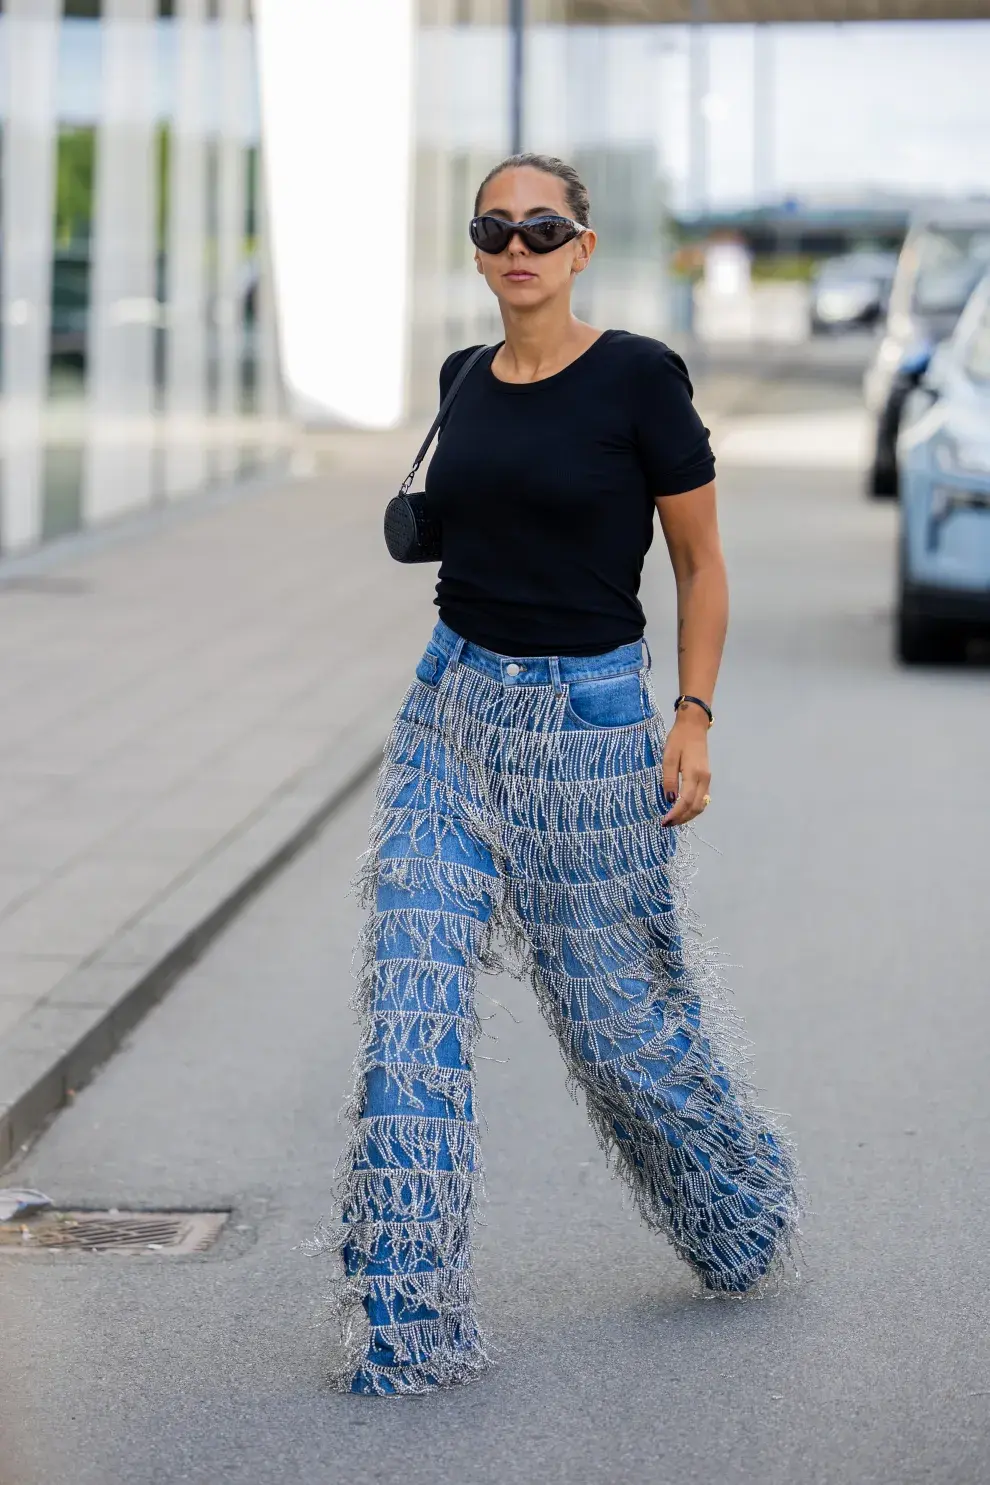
pixel 585 247
pixel 477 262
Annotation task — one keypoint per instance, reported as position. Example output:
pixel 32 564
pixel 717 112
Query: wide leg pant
pixel 518 819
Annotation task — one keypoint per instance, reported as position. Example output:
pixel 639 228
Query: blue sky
pixel 899 106
pixel 902 106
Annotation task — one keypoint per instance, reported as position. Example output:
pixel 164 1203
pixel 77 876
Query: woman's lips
pixel 520 277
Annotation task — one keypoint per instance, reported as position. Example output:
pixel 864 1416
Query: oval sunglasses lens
pixel 489 234
pixel 547 235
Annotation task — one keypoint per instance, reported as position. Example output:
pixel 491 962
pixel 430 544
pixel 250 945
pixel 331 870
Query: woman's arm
pixel 690 528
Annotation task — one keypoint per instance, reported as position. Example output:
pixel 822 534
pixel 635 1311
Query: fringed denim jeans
pixel 518 822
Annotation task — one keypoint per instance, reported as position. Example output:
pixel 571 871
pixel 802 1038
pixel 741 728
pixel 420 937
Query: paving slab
pixel 183 703
pixel 848 895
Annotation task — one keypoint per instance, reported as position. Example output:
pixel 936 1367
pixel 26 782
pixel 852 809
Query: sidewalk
pixel 179 711
pixel 182 705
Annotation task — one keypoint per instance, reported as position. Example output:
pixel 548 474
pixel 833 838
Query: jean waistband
pixel 539 670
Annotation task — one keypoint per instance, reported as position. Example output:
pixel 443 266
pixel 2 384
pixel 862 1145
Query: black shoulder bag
pixel 411 533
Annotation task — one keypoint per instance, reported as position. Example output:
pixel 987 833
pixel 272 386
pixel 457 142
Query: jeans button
pixel 513 669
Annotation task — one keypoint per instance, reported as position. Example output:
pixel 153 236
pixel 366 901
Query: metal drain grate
pixel 126 1233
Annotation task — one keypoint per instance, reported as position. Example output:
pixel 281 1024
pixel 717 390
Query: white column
pixel 269 389
pixel 236 60
pixel 430 208
pixel 699 81
pixel 186 304
pixel 336 91
pixel 28 166
pixel 123 307
pixel 764 114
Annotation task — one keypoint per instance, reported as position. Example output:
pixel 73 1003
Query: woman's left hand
pixel 685 762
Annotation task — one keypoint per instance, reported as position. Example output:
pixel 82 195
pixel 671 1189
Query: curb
pixel 46 559
pixel 59 1046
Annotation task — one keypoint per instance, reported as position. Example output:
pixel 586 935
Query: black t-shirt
pixel 545 491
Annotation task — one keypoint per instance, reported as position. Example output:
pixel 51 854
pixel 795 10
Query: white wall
pixel 28 167
pixel 336 103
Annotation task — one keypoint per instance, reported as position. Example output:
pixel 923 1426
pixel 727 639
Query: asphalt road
pixel 848 884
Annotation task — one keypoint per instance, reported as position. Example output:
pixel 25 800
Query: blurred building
pixel 152 345
pixel 224 218
pixel 588 95
pixel 138 345
pixel 399 110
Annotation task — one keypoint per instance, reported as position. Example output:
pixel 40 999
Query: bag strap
pixel 471 361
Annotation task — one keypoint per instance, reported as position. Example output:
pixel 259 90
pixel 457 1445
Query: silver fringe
pixel 580 888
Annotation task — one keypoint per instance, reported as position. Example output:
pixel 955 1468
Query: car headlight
pixel 890 353
pixel 842 304
pixel 901 329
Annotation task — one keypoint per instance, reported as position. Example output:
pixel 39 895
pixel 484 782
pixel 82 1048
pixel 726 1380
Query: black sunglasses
pixel 540 234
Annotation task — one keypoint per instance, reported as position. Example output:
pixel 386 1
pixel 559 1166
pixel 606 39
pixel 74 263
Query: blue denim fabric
pixel 517 822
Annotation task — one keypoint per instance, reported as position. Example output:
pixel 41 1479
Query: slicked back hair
pixel 578 200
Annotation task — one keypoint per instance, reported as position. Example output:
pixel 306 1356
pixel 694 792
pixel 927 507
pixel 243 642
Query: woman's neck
pixel 540 343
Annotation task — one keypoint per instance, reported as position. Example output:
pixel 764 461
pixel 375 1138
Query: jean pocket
pixel 431 668
pixel 615 701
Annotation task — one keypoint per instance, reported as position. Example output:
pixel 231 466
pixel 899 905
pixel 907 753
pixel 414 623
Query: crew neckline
pixel 545 381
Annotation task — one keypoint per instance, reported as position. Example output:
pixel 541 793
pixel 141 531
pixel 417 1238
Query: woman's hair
pixel 578 200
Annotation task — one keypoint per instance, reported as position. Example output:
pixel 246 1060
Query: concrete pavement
pixel 183 699
pixel 850 809
pixel 181 703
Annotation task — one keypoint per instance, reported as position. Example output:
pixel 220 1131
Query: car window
pixel 950 262
pixel 976 359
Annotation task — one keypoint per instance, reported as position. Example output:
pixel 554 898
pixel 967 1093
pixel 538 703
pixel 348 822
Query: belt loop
pixel 449 661
pixel 647 657
pixel 558 684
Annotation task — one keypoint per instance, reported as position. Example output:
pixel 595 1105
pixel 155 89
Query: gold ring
pixel 706 801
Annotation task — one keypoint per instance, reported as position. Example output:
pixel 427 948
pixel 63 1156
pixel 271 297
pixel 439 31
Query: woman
pixel 530 796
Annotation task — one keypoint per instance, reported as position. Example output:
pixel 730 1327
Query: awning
pixel 722 12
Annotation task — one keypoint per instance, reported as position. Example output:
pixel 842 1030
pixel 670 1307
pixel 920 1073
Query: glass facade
pixel 138 292
pixel 589 96
pixel 138 353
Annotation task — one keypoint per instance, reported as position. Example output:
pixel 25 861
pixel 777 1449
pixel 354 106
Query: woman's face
pixel 518 276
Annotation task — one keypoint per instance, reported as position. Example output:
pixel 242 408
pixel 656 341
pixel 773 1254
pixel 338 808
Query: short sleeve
pixel 672 439
pixel 452 366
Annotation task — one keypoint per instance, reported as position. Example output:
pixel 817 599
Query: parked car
pixel 944 464
pixel 850 291
pixel 943 257
pixel 70 303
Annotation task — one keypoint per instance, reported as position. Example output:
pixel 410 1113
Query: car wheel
pixel 883 484
pixel 913 639
pixel 923 641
